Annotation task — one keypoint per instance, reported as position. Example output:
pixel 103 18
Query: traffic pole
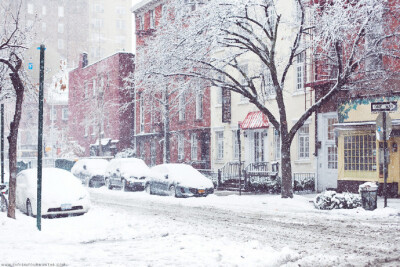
pixel 40 141
pixel 384 160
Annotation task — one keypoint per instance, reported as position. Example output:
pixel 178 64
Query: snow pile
pixel 329 200
pixel 89 167
pixel 368 186
pixel 128 168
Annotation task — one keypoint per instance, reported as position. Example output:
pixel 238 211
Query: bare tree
pixel 14 38
pixel 211 39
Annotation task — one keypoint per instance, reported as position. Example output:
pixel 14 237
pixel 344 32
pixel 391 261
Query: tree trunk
pixel 12 140
pixel 286 167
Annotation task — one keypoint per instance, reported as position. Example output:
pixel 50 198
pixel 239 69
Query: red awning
pixel 255 120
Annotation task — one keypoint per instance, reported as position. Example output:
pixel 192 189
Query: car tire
pixel 147 188
pixel 29 208
pixel 172 191
pixel 108 184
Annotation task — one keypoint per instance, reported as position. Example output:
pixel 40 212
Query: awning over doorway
pixel 255 120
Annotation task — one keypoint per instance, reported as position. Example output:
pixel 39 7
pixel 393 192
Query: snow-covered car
pixel 127 173
pixel 62 193
pixel 90 171
pixel 179 180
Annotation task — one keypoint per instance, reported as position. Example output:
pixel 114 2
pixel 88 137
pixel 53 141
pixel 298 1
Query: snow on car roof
pixel 129 167
pixel 184 174
pixel 93 167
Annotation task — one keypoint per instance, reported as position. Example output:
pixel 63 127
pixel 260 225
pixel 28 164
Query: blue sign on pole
pixel 30 66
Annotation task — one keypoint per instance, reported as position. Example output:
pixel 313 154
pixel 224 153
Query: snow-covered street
pixel 136 229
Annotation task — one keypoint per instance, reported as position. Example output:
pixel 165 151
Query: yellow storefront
pixel 360 152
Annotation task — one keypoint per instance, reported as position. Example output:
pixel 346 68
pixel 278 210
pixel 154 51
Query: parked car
pixel 127 173
pixel 90 171
pixel 62 193
pixel 179 180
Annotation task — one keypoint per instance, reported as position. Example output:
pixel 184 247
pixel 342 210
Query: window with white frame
pixel 97 24
pixel 277 145
pixel 199 105
pixel 220 90
pixel 60 44
pixel 65 114
pixel 30 8
pixel 220 145
pixel 304 142
pixel 61 11
pixel 94 87
pixel 141 23
pixel 120 10
pixel 141 113
pixel 86 89
pixel 193 148
pixel 267 85
pixel 60 28
pixel 300 71
pixel 53 114
pixel 44 10
pixel 235 145
pixel 182 106
pixel 120 24
pixel 181 145
pixel 258 147
pixel 152 19
pixel 245 69
pixel 98 8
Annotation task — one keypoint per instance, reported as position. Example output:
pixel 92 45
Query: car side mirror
pixel 166 176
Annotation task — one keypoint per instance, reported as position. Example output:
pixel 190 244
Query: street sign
pixel 390 106
pixel 379 126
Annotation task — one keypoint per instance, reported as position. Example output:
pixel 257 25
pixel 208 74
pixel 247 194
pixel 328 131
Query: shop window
pixel 359 152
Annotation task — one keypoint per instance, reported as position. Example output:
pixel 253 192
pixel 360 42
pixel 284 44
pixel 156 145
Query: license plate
pixel 201 191
pixel 66 206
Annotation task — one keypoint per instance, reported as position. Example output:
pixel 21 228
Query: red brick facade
pixel 99 97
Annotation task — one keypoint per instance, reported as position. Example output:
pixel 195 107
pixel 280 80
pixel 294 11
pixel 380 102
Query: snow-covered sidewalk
pixel 107 236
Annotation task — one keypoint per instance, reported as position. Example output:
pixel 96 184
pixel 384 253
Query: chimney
pixel 83 61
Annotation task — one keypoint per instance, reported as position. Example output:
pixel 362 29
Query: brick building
pixel 188 122
pixel 100 104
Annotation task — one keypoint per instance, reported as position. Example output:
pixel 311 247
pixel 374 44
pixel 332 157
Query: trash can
pixel 369 195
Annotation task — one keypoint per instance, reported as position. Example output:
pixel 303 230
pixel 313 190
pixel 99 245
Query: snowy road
pixel 317 237
pixel 136 229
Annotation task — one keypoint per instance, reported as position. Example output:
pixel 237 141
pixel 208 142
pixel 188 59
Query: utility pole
pixel 40 141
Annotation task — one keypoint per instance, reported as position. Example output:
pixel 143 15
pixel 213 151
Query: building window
pixel 304 142
pixel 141 23
pixel 120 10
pixel 140 150
pixel 332 157
pixel 60 44
pixel 60 28
pixel 193 148
pixel 235 145
pixel 61 11
pixel 152 20
pixel 277 145
pixel 300 71
pixel 331 133
pixel 141 113
pixel 220 145
pixel 53 114
pixel 94 87
pixel 85 88
pixel 180 147
pixel 98 8
pixel 199 105
pixel 359 152
pixel 65 114
pixel 258 147
pixel 153 153
pixel 267 86
pixel 182 106
pixel 30 8
pixel 120 24
pixel 44 10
